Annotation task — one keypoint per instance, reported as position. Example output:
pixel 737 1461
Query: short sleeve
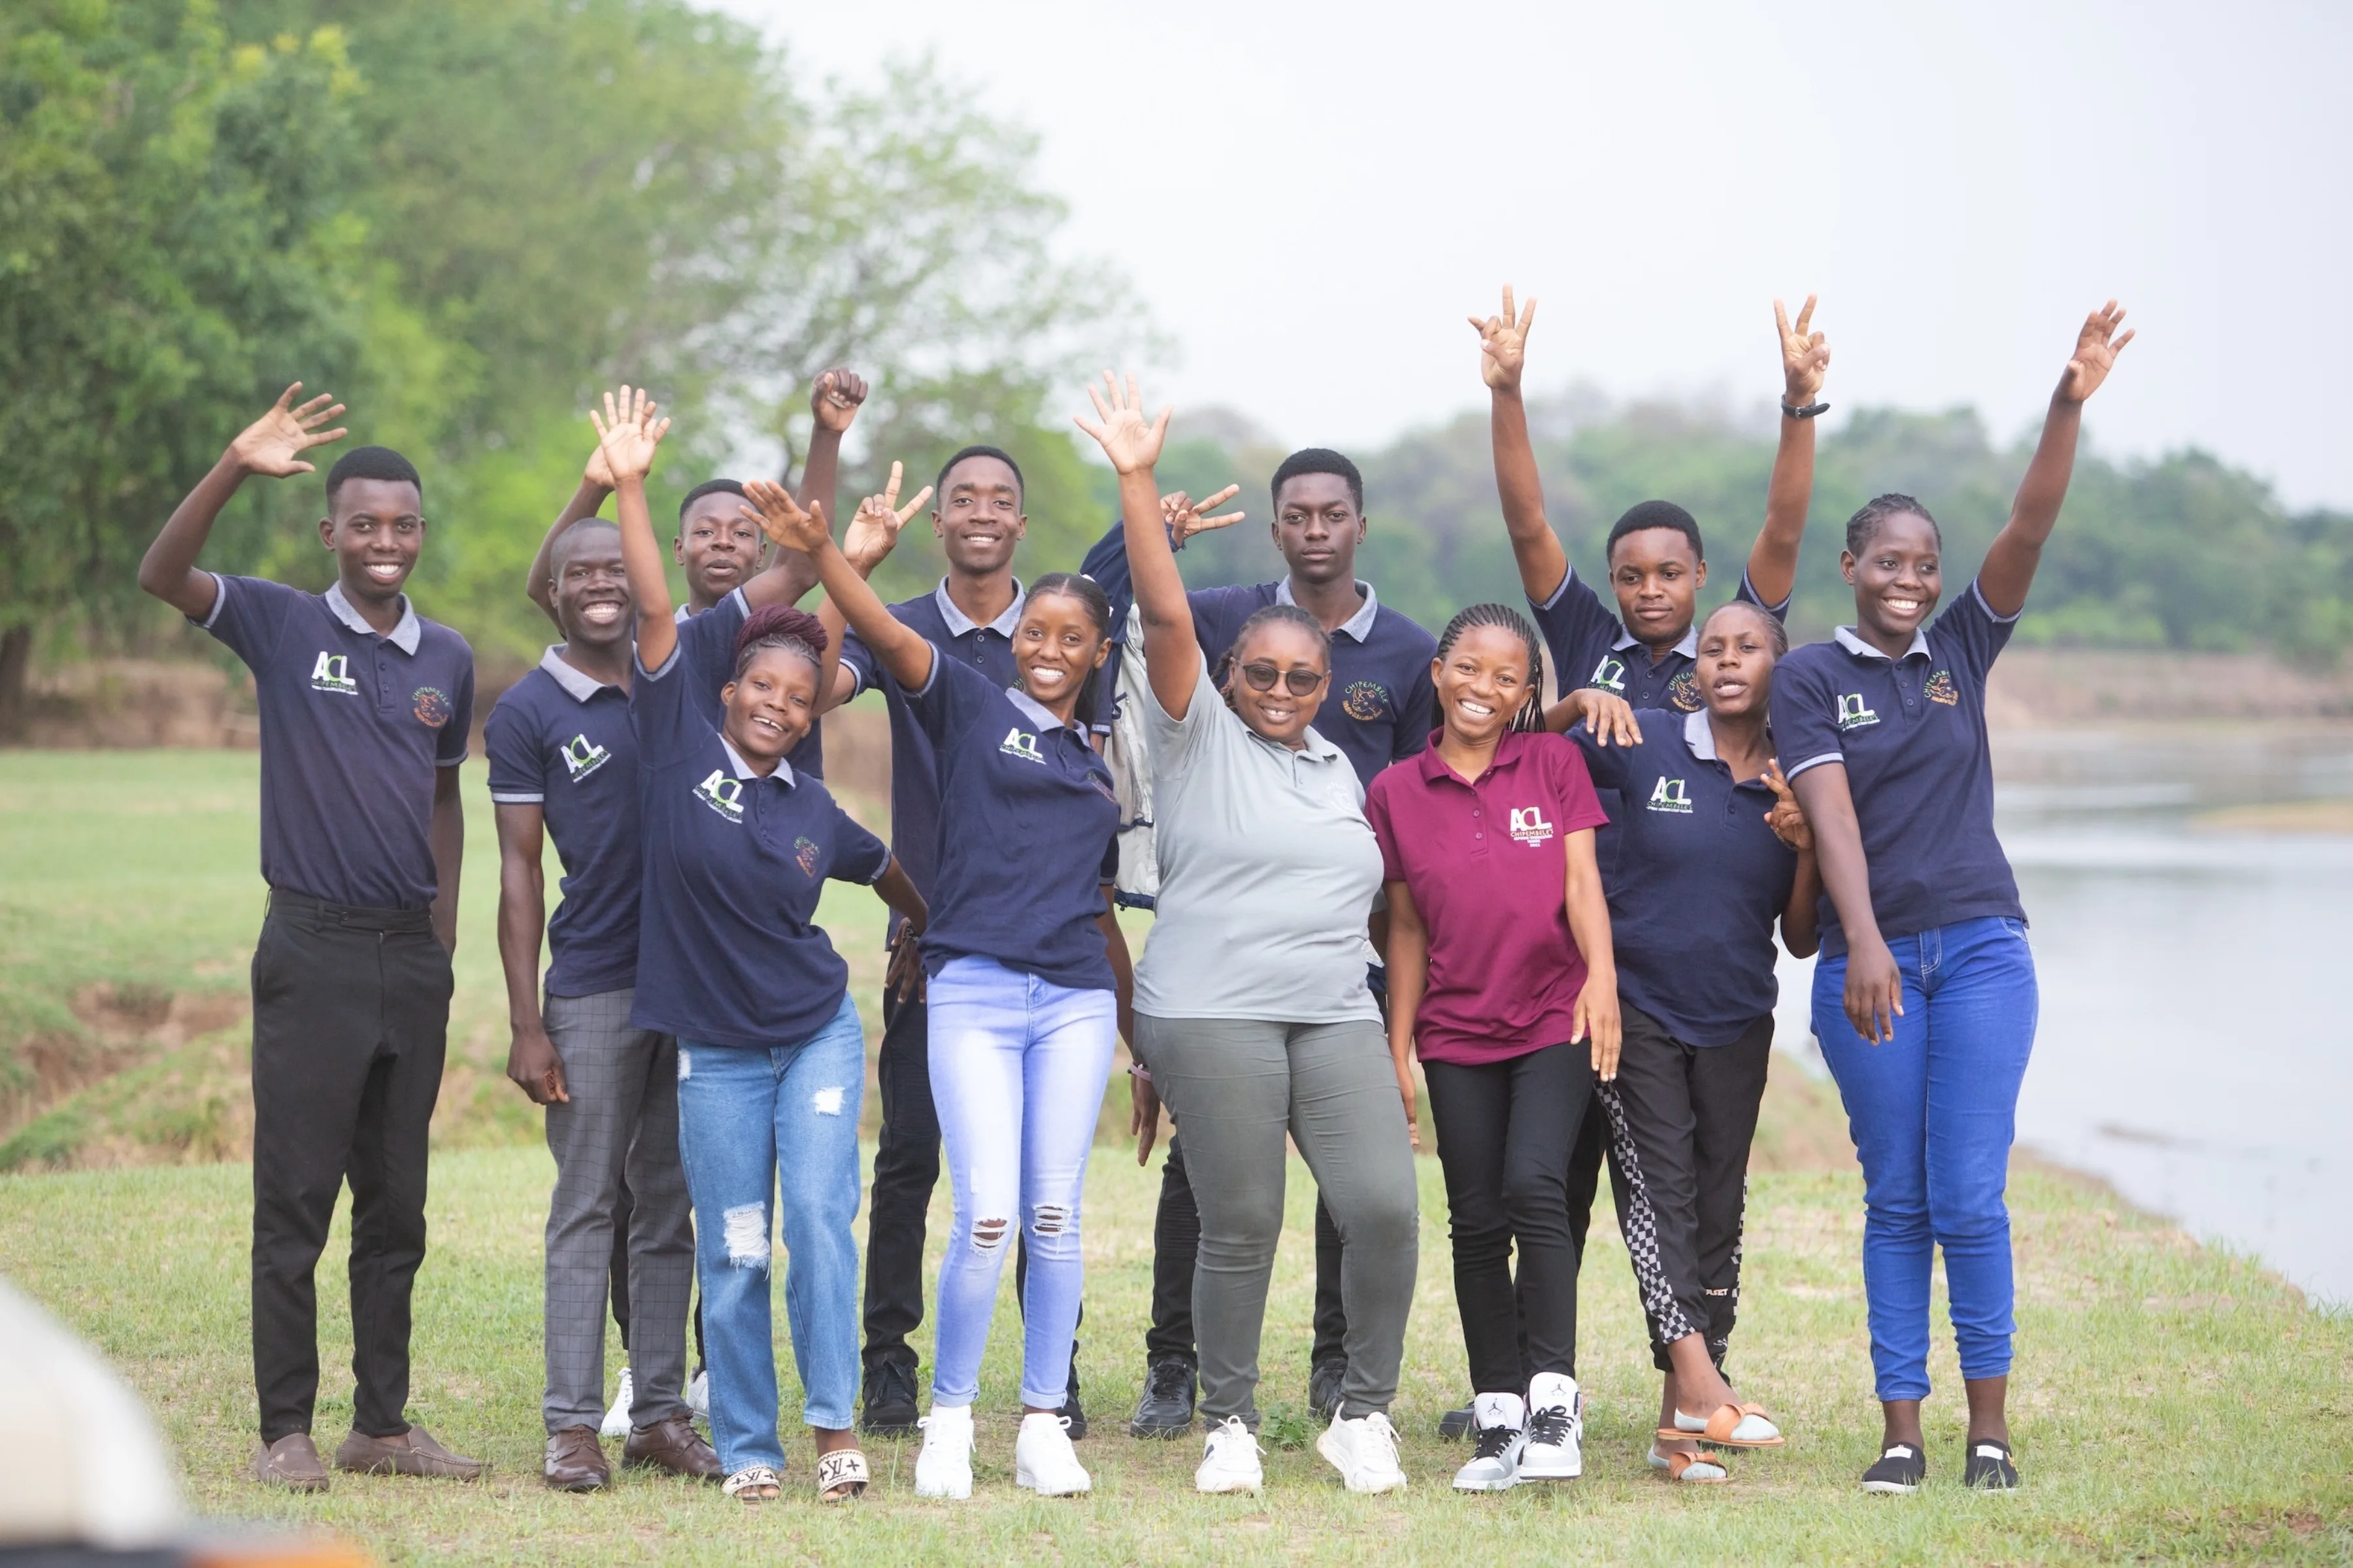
pixel 864 669
pixel 1746 593
pixel 951 700
pixel 661 706
pixel 1176 742
pixel 1970 634
pixel 857 855
pixel 1573 787
pixel 1578 630
pixel 709 642
pixel 1377 812
pixel 1804 713
pixel 518 762
pixel 1417 716
pixel 1605 766
pixel 1107 874
pixel 459 731
pixel 249 614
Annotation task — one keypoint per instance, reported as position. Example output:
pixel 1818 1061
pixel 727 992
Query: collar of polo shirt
pixel 959 623
pixel 784 774
pixel 1862 649
pixel 1509 747
pixel 404 637
pixel 1688 647
pixel 1700 735
pixel 578 686
pixel 1359 625
pixel 1038 712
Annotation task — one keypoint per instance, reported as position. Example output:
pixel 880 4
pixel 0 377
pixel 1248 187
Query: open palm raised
pixel 274 444
pixel 629 431
pixel 780 517
pixel 1128 439
pixel 2096 347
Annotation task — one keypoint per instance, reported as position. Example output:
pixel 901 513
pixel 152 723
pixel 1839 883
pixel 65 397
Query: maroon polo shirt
pixel 1487 864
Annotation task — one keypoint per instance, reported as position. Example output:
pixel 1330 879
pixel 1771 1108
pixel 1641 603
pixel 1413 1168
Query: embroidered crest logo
pixel 805 852
pixel 1366 701
pixel 1609 674
pixel 333 673
pixel 431 705
pixel 1669 795
pixel 1942 689
pixel 1017 744
pixel 1683 694
pixel 1854 713
pixel 583 756
pixel 722 794
pixel 1528 825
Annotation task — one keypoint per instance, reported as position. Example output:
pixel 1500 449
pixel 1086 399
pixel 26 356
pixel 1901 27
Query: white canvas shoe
pixel 1043 1459
pixel 616 1420
pixel 1229 1463
pixel 1364 1449
pixel 1555 1448
pixel 943 1468
pixel 1498 1427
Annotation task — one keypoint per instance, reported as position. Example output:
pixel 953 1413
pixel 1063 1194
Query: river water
pixel 2194 1050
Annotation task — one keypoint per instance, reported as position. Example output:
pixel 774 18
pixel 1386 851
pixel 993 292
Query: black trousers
pixel 1680 1120
pixel 351 1016
pixel 1507 1166
pixel 1176 1245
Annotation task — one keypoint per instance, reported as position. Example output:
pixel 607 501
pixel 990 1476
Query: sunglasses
pixel 1298 682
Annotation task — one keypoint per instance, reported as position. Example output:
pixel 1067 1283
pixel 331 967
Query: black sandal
pixel 1900 1469
pixel 1988 1468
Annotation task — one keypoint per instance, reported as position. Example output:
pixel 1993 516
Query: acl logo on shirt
pixel 722 794
pixel 583 756
pixel 1854 713
pixel 1609 674
pixel 333 673
pixel 1669 795
pixel 1528 825
pixel 1017 744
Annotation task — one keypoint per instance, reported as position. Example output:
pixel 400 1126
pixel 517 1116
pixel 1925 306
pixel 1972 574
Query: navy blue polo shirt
pixel 1026 844
pixel 1701 880
pixel 353 726
pixel 715 667
pixel 1911 734
pixel 1381 707
pixel 1590 647
pixel 562 741
pixel 728 952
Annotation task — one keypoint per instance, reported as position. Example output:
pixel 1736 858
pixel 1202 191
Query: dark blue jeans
pixel 1932 1113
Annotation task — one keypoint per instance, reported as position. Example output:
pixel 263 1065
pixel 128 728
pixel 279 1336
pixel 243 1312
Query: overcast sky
pixel 1311 198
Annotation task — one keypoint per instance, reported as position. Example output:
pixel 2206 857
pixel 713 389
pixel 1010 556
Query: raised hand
pixel 835 398
pixel 626 434
pixel 781 517
pixel 874 526
pixel 1609 717
pixel 1788 818
pixel 1504 344
pixel 273 445
pixel 1130 442
pixel 599 472
pixel 1805 355
pixel 2096 347
pixel 1182 514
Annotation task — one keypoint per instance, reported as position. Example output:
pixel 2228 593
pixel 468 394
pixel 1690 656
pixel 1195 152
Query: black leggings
pixel 1503 1139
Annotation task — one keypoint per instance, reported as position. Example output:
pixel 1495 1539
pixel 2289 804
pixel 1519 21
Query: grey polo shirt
pixel 1268 872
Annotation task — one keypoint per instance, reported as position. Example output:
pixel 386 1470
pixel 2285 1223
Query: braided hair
pixel 781 627
pixel 1864 525
pixel 1531 715
pixel 1090 711
pixel 1223 677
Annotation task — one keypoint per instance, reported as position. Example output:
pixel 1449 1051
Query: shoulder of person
pixel 1398 623
pixel 447 636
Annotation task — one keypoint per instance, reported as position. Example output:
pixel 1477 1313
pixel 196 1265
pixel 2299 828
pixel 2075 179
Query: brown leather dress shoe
pixel 292 1462
pixel 575 1461
pixel 413 1453
pixel 672 1444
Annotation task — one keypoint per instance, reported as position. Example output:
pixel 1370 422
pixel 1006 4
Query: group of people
pixel 1366 846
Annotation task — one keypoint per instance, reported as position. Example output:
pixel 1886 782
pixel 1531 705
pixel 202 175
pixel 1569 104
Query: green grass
pixel 2170 1402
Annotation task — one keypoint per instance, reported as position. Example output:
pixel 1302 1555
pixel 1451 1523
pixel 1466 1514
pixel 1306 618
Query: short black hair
pixel 711 488
pixel 1317 460
pixel 1020 485
pixel 372 463
pixel 1655 514
pixel 578 531
pixel 1864 525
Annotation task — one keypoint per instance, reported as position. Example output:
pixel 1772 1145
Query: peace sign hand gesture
pixel 781 517
pixel 1788 818
pixel 1504 344
pixel 1181 514
pixel 627 433
pixel 1805 355
pixel 1130 443
pixel 273 445
pixel 2095 354
pixel 874 527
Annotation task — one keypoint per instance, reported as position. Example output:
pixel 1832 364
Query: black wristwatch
pixel 1809 411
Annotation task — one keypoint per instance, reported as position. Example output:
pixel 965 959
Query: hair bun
pixel 785 623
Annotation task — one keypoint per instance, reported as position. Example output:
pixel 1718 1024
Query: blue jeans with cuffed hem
pixel 1018 1065
pixel 752 1121
pixel 1933 1113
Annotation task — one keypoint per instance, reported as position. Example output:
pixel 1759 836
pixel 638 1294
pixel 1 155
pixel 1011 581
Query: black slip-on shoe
pixel 1900 1469
pixel 888 1408
pixel 1989 1467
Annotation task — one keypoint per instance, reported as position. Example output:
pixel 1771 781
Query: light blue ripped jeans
pixel 747 1118
pixel 1018 1065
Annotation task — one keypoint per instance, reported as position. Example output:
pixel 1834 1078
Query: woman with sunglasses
pixel 1252 1010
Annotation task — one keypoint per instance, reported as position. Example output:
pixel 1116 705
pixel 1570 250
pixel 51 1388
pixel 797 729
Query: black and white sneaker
pixel 1989 1468
pixel 1494 1464
pixel 1901 1469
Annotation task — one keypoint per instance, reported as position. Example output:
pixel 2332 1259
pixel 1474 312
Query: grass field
pixel 2170 1402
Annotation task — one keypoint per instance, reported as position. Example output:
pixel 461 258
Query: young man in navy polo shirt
pixel 1381 710
pixel 563 763
pixel 366 707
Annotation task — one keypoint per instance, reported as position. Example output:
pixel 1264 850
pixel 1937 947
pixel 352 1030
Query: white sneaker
pixel 1498 1427
pixel 698 1394
pixel 943 1468
pixel 1043 1459
pixel 1230 1463
pixel 1364 1449
pixel 616 1419
pixel 1555 1450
